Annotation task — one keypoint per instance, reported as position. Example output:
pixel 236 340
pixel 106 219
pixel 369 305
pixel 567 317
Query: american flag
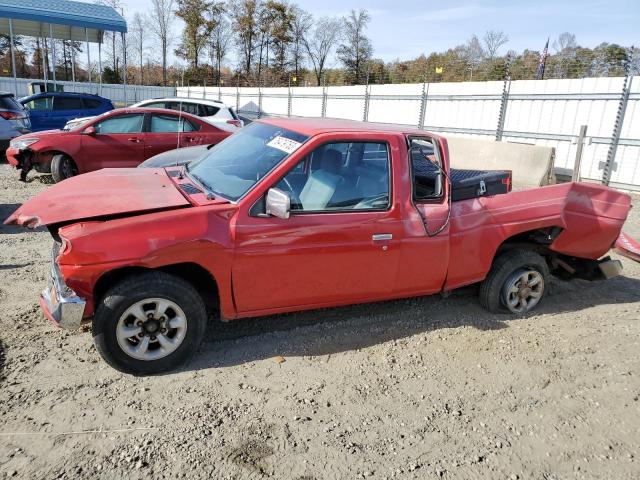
pixel 543 61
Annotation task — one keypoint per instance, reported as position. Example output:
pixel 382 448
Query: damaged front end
pixel 22 157
pixel 60 304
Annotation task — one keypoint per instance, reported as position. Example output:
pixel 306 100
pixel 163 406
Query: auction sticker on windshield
pixel 285 144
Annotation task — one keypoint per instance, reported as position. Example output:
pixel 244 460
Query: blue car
pixel 52 110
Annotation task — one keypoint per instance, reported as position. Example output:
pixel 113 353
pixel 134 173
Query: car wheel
pixel 63 167
pixel 149 323
pixel 516 284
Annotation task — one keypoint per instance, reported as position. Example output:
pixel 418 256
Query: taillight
pixel 236 123
pixel 507 181
pixel 12 115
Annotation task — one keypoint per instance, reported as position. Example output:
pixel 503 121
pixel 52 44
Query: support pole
pixel 610 165
pixel 13 59
pixel 423 105
pixel 124 74
pixel 238 93
pixel 577 164
pixel 289 98
pixel 86 36
pixel 44 54
pixel 324 99
pixel 73 60
pixel 506 88
pixel 53 58
pixel 100 36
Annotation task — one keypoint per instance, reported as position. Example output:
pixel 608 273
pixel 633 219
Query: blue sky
pixel 406 28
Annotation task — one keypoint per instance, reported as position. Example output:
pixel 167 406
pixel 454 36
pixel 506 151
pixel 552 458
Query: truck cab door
pixel 341 243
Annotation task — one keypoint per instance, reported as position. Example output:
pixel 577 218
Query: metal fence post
pixel 259 100
pixel 238 93
pixel 506 87
pixel 365 113
pixel 323 107
pixel 423 105
pixel 289 98
pixel 610 165
pixel 578 161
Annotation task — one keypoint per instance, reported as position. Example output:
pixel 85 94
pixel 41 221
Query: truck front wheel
pixel 517 282
pixel 149 323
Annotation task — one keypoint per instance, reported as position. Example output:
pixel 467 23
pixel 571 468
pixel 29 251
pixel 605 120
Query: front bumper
pixel 59 303
pixel 12 154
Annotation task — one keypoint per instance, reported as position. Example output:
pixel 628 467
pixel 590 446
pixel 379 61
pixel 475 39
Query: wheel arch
pixel 201 279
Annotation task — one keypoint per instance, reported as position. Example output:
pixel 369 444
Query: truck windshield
pixel 234 166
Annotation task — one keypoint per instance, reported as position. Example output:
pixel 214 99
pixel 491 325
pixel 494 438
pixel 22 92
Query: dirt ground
pixel 422 388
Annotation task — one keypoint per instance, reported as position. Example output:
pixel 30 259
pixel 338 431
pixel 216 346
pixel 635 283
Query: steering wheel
pixel 291 191
pixel 370 202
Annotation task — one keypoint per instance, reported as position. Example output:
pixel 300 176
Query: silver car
pixel 14 120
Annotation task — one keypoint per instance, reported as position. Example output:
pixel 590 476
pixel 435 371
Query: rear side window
pixel 208 110
pixel 155 105
pixel 170 124
pixel 67 103
pixel 42 103
pixel 427 179
pixel 120 124
pixel 9 103
pixel 91 103
pixel 188 107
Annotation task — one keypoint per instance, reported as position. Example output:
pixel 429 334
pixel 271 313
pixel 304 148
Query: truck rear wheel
pixel 149 323
pixel 517 282
pixel 63 167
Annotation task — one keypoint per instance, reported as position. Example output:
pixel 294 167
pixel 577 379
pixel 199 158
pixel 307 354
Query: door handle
pixel 380 237
pixel 134 139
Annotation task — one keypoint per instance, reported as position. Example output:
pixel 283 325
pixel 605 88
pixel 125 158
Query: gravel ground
pixel 422 388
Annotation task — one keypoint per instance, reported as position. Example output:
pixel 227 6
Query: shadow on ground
pixel 329 331
pixel 6 209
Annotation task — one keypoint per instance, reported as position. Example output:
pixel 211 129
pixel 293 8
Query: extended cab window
pixel 340 176
pixel 170 124
pixel 425 162
pixel 120 124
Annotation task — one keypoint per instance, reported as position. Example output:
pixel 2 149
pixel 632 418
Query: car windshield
pixel 234 166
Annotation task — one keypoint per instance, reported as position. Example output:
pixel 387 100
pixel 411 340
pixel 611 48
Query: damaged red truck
pixel 289 215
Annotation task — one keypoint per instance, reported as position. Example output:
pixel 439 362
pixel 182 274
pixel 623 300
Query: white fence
pixel 542 112
pixel 116 93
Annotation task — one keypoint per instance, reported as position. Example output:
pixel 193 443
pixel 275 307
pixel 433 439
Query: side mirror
pixel 278 203
pixel 89 131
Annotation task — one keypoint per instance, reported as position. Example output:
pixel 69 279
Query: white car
pixel 211 111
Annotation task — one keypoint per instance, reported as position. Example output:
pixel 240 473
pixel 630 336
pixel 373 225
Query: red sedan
pixel 119 138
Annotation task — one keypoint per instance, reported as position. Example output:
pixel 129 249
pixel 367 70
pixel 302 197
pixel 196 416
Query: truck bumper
pixel 60 304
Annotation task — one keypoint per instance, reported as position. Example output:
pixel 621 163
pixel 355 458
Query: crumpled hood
pixel 107 192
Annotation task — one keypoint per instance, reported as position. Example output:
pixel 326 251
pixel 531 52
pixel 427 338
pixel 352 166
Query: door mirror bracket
pixel 89 131
pixel 278 203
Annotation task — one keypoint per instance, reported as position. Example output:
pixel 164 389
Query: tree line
pixel 276 43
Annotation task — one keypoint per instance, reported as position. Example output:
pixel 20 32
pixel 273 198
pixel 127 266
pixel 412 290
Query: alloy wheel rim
pixel 523 290
pixel 151 329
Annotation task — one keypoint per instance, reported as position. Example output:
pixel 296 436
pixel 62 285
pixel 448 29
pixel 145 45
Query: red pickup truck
pixel 290 215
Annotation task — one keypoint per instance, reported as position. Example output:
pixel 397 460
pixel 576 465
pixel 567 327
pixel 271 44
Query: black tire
pixel 63 167
pixel 504 266
pixel 138 288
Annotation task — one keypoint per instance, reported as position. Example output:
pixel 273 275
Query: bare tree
pixel 356 49
pixel 493 40
pixel 245 20
pixel 221 36
pixel 112 55
pixel 565 41
pixel 321 42
pixel 300 24
pixel 138 31
pixel 161 18
pixel 473 54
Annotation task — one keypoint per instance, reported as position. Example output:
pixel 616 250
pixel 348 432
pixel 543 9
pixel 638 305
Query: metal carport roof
pixel 68 19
